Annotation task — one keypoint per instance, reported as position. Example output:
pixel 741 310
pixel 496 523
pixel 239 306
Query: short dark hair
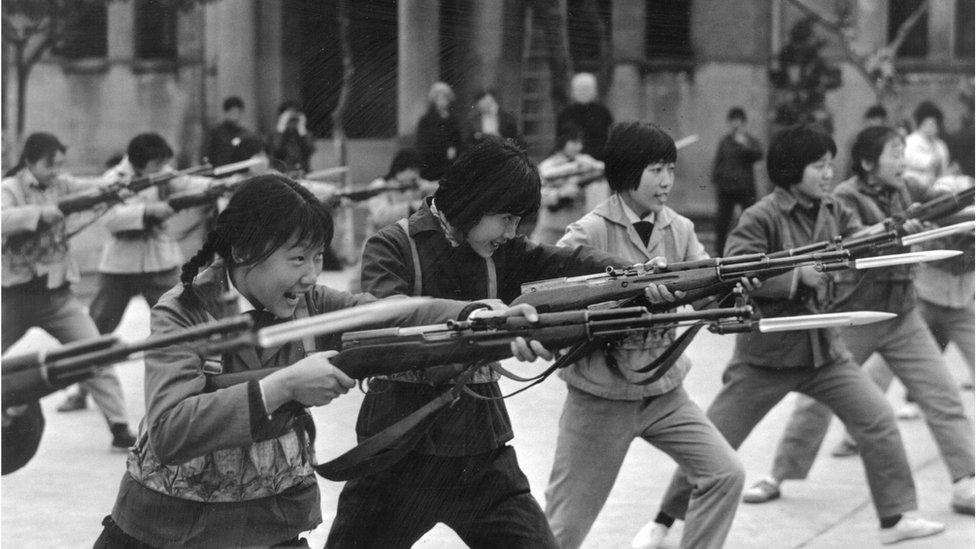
pixel 631 148
pixel 38 146
pixel 263 214
pixel 792 149
pixel 493 176
pixel 404 160
pixel 868 146
pixel 736 113
pixel 146 147
pixel 485 92
pixel 289 104
pixel 233 102
pixel 927 109
pixel 568 132
pixel 876 111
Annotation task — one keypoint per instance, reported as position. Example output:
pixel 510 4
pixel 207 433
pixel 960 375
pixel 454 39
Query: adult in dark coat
pixel 588 114
pixel 487 118
pixel 438 133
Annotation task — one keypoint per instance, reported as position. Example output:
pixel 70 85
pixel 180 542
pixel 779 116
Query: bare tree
pixel 32 28
pixel 877 67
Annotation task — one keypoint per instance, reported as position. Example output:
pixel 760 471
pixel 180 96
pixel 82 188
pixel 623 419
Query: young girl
pixel 605 411
pixel 229 467
pixel 459 470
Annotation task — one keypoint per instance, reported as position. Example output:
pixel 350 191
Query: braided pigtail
pixel 202 257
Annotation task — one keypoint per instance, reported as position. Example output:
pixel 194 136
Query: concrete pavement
pixel 59 499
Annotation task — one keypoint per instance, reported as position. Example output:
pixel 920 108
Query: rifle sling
pixel 384 449
pixel 663 363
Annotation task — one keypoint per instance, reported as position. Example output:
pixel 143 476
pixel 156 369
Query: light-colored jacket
pixel 29 249
pixel 608 228
pixel 135 246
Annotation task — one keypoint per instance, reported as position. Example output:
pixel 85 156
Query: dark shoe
pixel 73 403
pixel 761 492
pixel 122 438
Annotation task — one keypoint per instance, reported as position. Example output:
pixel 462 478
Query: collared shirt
pixel 889 289
pixel 30 249
pixel 632 216
pixel 773 224
pixel 610 227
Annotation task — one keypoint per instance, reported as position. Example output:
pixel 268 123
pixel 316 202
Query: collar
pixel 28 180
pixel 450 233
pixel 616 211
pixel 233 293
pixel 787 202
pixel 864 187
pixel 633 217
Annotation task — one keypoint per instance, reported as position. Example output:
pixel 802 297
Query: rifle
pixel 933 210
pixel 109 194
pixel 31 376
pixel 387 351
pixel 360 194
pixel 698 279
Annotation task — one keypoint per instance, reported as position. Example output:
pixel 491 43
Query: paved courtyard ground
pixel 59 499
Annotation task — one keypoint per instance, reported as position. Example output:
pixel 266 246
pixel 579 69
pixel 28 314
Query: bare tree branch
pixel 907 25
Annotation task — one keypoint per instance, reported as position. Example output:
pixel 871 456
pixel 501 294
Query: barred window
pixel 668 30
pixel 155 30
pixel 85 33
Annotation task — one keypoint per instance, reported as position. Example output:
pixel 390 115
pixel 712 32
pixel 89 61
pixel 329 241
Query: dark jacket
pixel 222 141
pixel 772 224
pixel 733 164
pixel 435 135
pixel 890 289
pixel 507 128
pixel 470 426
pixel 594 119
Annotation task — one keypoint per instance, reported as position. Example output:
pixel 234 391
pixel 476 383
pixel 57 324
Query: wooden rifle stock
pixel 87 200
pixel 698 279
pixel 389 351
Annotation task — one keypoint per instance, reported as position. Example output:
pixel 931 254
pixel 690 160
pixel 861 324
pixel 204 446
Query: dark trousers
pixel 727 200
pixel 113 537
pixel 484 498
pixel 116 290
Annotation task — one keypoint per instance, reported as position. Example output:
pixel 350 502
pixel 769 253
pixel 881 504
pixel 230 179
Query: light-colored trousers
pixel 60 314
pixel 594 436
pixel 913 355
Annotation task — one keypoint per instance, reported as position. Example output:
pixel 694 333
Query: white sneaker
pixel 963 496
pixel 908 411
pixel 910 527
pixel 651 536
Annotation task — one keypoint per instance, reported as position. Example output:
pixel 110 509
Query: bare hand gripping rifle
pixel 117 192
pixel 718 276
pixel 34 375
pixel 479 342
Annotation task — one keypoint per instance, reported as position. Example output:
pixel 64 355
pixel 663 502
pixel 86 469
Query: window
pixel 584 22
pixel 668 30
pixel 916 44
pixel 155 30
pixel 85 33
pixel 964 29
